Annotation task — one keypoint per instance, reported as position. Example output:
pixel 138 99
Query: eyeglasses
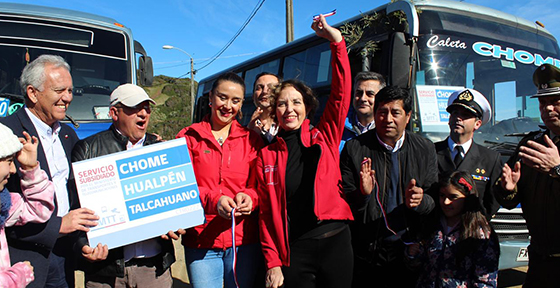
pixel 135 109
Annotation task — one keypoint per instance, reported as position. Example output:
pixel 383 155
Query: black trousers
pixel 543 271
pixel 326 262
pixel 384 266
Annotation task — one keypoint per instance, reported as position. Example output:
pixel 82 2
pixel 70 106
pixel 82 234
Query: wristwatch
pixel 555 171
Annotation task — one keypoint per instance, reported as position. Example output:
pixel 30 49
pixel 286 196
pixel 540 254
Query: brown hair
pixel 309 99
pixel 472 218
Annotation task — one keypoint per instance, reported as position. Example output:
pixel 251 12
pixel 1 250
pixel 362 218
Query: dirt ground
pixel 512 278
pixel 178 270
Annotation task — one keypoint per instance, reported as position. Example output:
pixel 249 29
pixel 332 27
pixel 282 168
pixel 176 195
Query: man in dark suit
pixel 469 110
pixel 47 86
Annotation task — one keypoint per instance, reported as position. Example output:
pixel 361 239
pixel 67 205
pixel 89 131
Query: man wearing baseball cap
pixel 468 111
pixel 532 177
pixel 146 263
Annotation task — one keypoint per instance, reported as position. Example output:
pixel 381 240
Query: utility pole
pixel 289 21
pixel 192 77
pixel 192 90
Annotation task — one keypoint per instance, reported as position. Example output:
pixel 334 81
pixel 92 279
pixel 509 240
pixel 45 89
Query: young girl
pixel 34 205
pixel 461 250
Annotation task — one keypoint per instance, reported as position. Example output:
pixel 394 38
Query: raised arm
pixel 35 204
pixel 336 109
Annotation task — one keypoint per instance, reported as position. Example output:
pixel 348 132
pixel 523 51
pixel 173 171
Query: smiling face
pixel 50 102
pixel 452 202
pixel 262 92
pixel 7 168
pixel 462 124
pixel 290 109
pixel 226 100
pixel 549 107
pixel 390 121
pixel 364 98
pixel 132 122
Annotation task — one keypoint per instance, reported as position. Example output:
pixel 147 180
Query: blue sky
pixel 202 27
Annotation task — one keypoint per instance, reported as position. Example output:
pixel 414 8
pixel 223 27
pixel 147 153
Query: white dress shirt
pixel 56 160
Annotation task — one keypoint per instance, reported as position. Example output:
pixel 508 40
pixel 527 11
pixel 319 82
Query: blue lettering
pixel 539 60
pixel 482 48
pixel 524 57
pixel 521 56
pixel 498 52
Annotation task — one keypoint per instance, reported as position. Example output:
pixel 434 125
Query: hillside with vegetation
pixel 173 105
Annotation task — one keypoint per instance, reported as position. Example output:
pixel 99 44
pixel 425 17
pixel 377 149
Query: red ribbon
pixel 464 182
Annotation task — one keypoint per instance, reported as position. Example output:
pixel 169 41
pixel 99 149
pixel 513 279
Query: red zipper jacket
pixel 222 170
pixel 330 203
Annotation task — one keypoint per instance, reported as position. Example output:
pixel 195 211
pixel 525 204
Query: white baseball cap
pixel 129 95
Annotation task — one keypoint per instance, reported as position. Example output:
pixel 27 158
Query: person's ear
pixel 113 113
pixel 477 124
pixel 32 94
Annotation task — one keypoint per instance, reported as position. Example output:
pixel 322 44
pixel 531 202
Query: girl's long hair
pixel 472 218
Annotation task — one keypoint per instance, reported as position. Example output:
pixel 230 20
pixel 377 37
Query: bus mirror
pixel 400 61
pixel 145 71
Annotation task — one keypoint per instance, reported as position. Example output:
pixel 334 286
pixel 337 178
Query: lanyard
pixel 234 261
pixel 385 215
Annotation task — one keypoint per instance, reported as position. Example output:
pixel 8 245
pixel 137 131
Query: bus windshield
pixel 99 61
pixel 93 77
pixel 494 58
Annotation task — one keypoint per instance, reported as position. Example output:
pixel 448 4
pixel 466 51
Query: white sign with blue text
pixel 140 193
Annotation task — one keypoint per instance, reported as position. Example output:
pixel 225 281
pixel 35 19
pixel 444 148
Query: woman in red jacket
pixel 303 214
pixel 222 154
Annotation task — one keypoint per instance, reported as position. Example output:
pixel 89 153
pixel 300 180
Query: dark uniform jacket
pixel 483 164
pixel 104 143
pixel 34 242
pixel 539 195
pixel 417 160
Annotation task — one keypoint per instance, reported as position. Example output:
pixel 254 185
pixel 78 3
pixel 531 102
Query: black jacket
pixel 104 143
pixel 34 241
pixel 539 195
pixel 417 160
pixel 482 163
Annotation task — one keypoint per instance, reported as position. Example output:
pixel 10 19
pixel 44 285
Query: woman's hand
pixel 244 204
pixel 27 156
pixel 225 205
pixel 274 277
pixel 324 30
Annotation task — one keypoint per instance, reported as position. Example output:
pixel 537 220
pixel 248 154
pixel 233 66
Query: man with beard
pixel 469 110
pixel 263 121
pixel 532 177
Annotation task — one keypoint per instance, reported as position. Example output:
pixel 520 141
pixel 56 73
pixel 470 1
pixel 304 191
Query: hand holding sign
pixel 138 194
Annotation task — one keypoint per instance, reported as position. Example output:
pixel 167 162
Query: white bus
pixel 101 52
pixel 432 47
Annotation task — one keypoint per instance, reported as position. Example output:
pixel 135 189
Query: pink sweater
pixel 35 204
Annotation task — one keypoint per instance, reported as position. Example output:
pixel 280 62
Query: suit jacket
pixel 34 241
pixel 483 164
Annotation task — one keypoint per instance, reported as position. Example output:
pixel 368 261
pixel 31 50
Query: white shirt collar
pixel 398 145
pixel 466 146
pixel 129 144
pixel 42 127
pixel 362 128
